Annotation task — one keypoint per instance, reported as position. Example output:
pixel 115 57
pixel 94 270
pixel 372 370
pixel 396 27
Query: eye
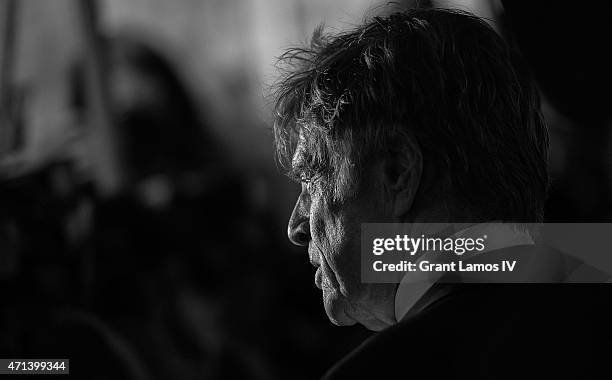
pixel 307 177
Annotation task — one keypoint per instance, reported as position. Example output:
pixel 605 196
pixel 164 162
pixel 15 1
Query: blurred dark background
pixel 142 216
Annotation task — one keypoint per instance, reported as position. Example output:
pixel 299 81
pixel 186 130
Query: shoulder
pixel 491 330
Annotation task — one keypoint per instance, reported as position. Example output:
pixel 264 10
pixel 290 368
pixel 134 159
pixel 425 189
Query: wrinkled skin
pixel 331 231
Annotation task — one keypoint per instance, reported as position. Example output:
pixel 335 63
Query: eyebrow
pixel 298 168
pixel 298 164
pixel 301 165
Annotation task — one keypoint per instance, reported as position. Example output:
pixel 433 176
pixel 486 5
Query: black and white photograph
pixel 305 189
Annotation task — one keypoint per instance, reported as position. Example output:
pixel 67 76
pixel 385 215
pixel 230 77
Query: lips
pixel 319 278
pixel 313 259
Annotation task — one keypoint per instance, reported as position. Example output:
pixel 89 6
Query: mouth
pixel 319 278
pixel 313 259
pixel 315 263
pixel 319 273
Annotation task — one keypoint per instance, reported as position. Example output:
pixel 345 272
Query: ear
pixel 402 172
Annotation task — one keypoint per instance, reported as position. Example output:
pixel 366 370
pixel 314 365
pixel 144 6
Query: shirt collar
pixel 411 289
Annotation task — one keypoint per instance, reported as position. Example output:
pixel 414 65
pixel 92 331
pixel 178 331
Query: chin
pixel 343 313
pixel 336 307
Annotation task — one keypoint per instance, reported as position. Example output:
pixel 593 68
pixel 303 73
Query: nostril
pixel 298 231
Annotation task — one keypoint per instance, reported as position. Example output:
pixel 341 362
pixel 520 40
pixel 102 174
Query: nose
pixel 298 229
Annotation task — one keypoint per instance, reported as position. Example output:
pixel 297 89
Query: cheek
pixel 336 238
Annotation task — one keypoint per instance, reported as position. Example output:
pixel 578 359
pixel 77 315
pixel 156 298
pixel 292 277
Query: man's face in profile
pixel 330 228
pixel 379 102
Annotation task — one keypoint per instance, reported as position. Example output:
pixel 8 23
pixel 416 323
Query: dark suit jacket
pixel 494 331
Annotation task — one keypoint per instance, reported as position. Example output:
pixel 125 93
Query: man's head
pixel 425 115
